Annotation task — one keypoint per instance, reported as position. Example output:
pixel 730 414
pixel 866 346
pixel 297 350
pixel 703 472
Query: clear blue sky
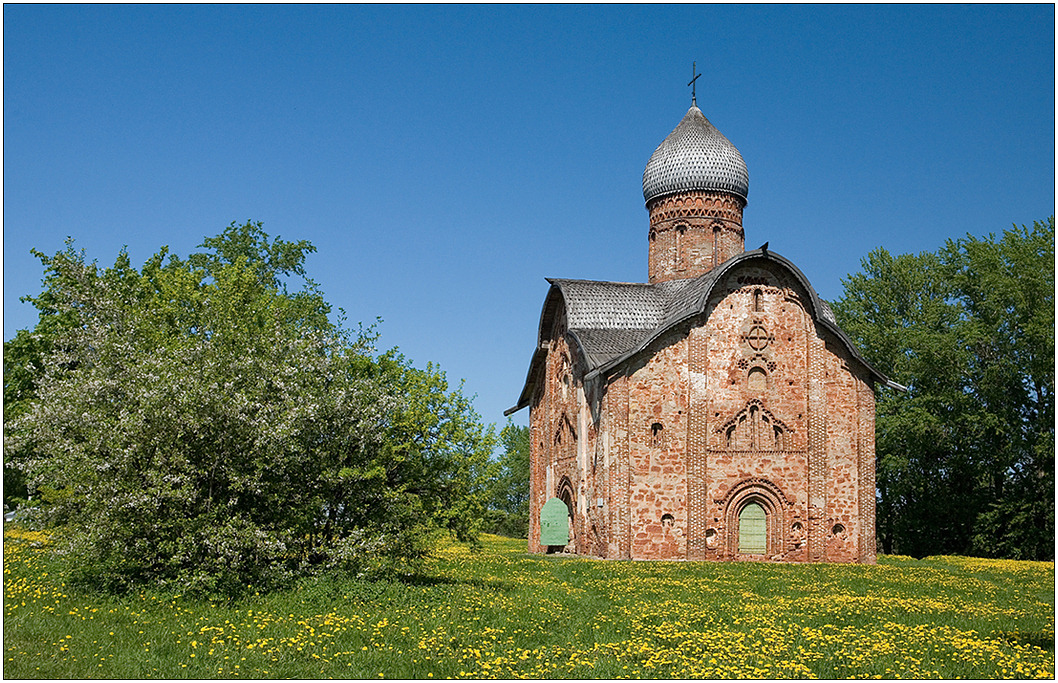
pixel 445 159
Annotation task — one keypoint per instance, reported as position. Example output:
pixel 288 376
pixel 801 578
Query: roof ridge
pixel 553 280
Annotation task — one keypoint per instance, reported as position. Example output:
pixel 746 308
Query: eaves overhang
pixel 550 309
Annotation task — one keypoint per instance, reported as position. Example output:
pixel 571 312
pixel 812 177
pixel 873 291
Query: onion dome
pixel 695 156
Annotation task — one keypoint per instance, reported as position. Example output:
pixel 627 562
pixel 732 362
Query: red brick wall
pixel 757 385
pixel 842 425
pixel 657 416
pixel 554 433
pixel 751 402
pixel 563 446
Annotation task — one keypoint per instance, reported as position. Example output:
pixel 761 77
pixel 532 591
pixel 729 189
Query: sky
pixel 444 160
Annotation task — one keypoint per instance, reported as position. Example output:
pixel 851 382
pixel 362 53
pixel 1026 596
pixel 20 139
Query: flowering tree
pixel 193 423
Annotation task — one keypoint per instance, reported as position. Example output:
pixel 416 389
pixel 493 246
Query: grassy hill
pixel 500 613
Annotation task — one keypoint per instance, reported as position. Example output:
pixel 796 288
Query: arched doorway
pixel 565 494
pixel 554 525
pixel 755 516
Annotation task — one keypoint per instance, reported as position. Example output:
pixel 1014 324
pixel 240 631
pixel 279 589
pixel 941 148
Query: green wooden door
pixel 752 530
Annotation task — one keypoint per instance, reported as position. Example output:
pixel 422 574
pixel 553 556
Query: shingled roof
pixel 611 322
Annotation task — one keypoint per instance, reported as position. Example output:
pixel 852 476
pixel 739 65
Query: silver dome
pixel 695 156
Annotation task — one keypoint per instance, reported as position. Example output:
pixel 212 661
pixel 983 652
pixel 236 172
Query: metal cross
pixel 694 72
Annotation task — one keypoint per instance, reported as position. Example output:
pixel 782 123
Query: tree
pixel 195 424
pixel 1007 289
pixel 23 363
pixel 509 499
pixel 965 457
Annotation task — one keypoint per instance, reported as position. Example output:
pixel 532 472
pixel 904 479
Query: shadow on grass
pixel 431 581
pixel 1041 639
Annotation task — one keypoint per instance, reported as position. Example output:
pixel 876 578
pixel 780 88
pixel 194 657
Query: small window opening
pixel 838 529
pixel 678 254
pixel 758 304
pixel 657 436
pixel 667 520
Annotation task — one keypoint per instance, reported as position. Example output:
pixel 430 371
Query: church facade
pixel 715 412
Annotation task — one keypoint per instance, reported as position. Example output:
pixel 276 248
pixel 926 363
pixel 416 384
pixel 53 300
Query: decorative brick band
pixel 817 451
pixel 697 204
pixel 868 549
pixel 697 223
pixel 697 453
pixel 622 476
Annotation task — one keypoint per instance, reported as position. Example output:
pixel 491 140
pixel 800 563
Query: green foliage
pixel 439 440
pixel 248 242
pixel 966 456
pixel 25 358
pixel 194 424
pixel 509 494
pixel 23 363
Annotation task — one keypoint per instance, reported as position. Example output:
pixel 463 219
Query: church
pixel 715 412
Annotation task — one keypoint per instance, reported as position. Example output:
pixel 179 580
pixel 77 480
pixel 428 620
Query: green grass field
pixel 500 613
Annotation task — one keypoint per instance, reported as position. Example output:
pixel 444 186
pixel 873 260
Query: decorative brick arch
pixel 770 497
pixel 774 438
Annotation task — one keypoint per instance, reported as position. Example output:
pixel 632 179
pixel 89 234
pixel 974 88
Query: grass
pixel 500 613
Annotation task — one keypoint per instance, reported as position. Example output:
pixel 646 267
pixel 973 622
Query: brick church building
pixel 715 412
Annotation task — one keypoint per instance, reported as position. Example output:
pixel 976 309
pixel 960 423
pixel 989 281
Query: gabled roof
pixel 612 322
